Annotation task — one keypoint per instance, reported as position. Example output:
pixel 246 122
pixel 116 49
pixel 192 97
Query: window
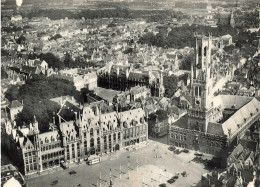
pixel 85 147
pixel 98 144
pixel 205 51
pixel 199 51
pixel 92 142
pixel 68 152
pixel 78 149
pixel 118 137
pixel 91 132
pixel 73 151
pixel 114 137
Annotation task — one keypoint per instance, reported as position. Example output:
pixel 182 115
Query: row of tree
pixel 36 95
pixel 180 37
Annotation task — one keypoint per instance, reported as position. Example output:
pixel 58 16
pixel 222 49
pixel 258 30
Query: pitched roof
pixel 67 111
pixel 215 128
pixel 240 117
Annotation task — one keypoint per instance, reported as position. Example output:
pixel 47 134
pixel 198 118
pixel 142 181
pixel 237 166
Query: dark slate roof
pixel 138 76
pixel 249 144
pixel 29 70
pixel 182 122
pixel 215 128
pixel 67 112
pixel 15 104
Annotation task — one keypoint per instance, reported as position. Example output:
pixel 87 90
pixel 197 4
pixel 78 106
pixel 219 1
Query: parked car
pixel 162 185
pixel 54 182
pixel 177 151
pixel 72 172
pixel 171 148
pixel 175 177
pixel 185 150
pixel 198 154
pixel 170 181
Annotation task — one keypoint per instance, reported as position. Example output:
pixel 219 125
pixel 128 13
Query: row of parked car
pixel 178 151
pixel 174 178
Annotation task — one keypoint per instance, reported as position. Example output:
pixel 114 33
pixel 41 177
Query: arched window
pixel 109 137
pixel 114 137
pixel 119 136
pixel 105 139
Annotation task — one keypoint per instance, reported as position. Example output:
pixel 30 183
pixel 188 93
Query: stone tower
pixel 201 85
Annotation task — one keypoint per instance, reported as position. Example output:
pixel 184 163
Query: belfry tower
pixel 201 85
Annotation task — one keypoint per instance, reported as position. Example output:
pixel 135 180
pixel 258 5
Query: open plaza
pixel 147 165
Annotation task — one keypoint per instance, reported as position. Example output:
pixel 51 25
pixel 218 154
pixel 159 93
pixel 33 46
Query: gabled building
pixel 80 132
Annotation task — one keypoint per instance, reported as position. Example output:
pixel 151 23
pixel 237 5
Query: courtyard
pixel 148 165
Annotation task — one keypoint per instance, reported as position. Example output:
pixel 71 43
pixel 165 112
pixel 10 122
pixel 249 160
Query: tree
pixel 68 62
pixel 36 93
pixel 187 61
pixel 4 75
pixel 21 39
pixel 52 60
pixel 170 84
pixel 55 37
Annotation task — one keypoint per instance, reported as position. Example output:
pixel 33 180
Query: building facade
pixel 213 123
pixel 95 129
pixel 123 77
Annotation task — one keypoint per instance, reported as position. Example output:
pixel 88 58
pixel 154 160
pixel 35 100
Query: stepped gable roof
pixel 16 104
pixel 239 118
pixel 67 111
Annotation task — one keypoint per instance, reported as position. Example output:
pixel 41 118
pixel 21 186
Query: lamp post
pixel 120 171
pixel 100 179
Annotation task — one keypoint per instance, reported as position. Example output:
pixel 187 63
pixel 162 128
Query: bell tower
pixel 201 84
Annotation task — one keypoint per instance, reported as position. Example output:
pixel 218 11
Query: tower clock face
pixel 199 66
pixel 197 102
